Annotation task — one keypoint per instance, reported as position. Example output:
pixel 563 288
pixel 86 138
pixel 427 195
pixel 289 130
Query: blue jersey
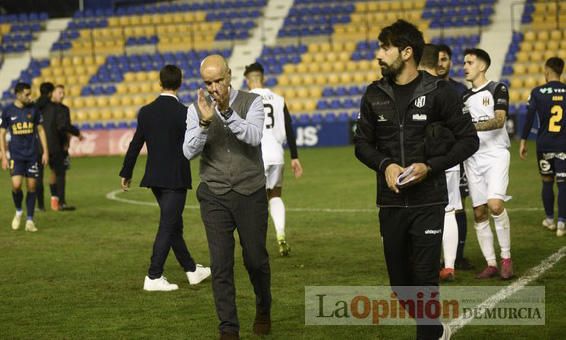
pixel 22 125
pixel 547 101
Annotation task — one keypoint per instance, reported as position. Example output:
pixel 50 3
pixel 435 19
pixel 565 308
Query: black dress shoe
pixel 262 323
pixel 229 336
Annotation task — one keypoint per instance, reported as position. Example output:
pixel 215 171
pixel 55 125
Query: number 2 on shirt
pixel 554 123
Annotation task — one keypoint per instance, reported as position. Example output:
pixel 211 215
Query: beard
pixel 393 70
pixel 441 71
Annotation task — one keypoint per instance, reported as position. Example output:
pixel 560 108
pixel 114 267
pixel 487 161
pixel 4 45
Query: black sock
pixel 53 189
pixel 30 204
pixel 562 201
pixel 18 197
pixel 548 198
pixel 462 231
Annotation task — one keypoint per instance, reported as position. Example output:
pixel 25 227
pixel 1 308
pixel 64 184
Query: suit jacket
pixel 57 125
pixel 161 125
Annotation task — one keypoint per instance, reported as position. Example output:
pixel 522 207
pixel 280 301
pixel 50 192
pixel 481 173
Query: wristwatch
pixel 227 113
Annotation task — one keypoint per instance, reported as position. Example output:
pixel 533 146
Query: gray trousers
pixel 222 214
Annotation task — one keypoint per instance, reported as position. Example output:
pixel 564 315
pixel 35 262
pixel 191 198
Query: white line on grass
pixel 113 195
pixel 516 286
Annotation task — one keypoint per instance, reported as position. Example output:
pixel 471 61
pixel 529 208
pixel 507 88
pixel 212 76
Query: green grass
pixel 81 275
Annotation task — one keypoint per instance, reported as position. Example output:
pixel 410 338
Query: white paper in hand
pixel 405 178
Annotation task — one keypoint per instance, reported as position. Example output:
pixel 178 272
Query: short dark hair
pixel 170 77
pixel 21 86
pixel 430 56
pixel 444 48
pixel 46 88
pixel 480 54
pixel 402 34
pixel 555 64
pixel 255 67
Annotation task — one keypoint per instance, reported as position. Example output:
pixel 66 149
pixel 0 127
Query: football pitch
pixel 81 274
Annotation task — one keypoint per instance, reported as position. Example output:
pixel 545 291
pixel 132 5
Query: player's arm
pixel 3 153
pixel 531 111
pixel 43 141
pixel 501 107
pixel 292 143
pixel 132 154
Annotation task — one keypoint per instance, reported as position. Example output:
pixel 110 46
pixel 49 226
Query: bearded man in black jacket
pixel 411 122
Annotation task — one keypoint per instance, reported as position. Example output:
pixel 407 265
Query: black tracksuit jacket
pixel 384 136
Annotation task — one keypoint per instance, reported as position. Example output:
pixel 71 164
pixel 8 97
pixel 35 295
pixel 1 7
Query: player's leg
pixel 31 182
pixel 53 183
pixel 498 179
pixel 462 263
pixel 478 193
pixel 450 231
pixel 274 182
pixel 17 173
pixel 545 167
pixel 560 171
pixel 39 189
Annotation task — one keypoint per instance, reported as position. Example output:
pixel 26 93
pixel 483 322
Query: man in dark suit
pixel 161 125
pixel 58 128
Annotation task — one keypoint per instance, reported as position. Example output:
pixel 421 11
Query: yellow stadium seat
pixel 145 87
pixel 555 35
pixel 121 88
pixel 309 105
pixel 113 101
pixel 533 68
pixel 516 82
pixel 326 67
pixel 530 82
pixel 319 57
pixel 514 95
pixel 141 76
pixel 313 68
pixel 105 115
pixel 530 36
pixel 129 77
pixel 126 100
pixel 553 45
pixel 333 79
pixel 113 21
pixel 301 68
pixel 519 69
pixel 295 79
pixel 138 100
pixel 313 48
pixel 289 68
pixel 562 54
pixel 78 103
pixel 331 57
pixel 101 101
pixel 525 95
pixel 359 78
pixel 130 113
pixel 124 21
pixel 89 102
pixel 339 67
pixel 540 46
pixel 155 87
pixel 283 80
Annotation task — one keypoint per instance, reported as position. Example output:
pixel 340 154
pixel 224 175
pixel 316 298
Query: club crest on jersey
pixel 381 118
pixel 485 101
pixel 420 102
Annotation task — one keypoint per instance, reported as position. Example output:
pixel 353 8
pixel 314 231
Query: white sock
pixel 19 212
pixel 450 239
pixel 485 239
pixel 277 212
pixel 503 230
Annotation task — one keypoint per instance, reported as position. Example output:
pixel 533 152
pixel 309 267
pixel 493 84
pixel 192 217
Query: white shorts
pixel 453 187
pixel 488 176
pixel 274 175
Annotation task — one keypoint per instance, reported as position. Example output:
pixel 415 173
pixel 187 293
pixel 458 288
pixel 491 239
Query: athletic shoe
pixel 30 226
pixel 463 264
pixel 284 248
pixel 488 273
pixel 54 203
pixel 161 284
pixel 549 224
pixel 447 274
pixel 198 275
pixel 16 221
pixel 446 332
pixel 561 230
pixel 65 207
pixel 506 269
